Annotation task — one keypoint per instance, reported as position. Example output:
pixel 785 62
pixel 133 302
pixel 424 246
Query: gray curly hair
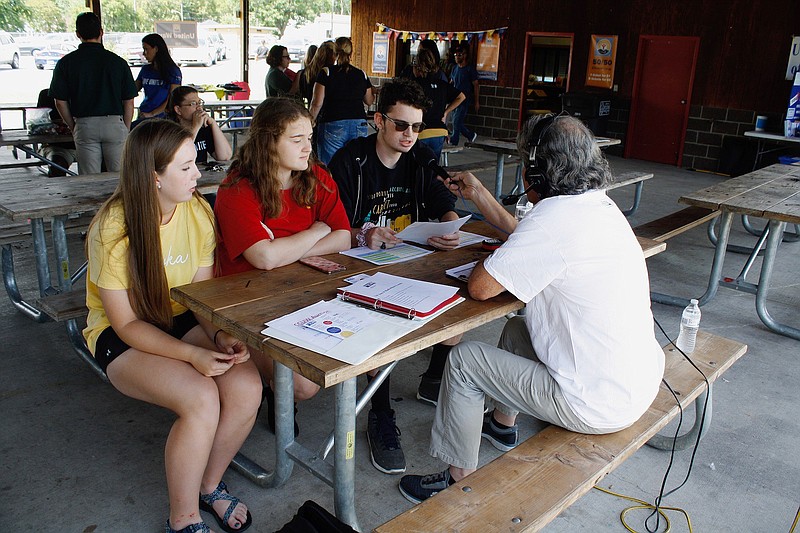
pixel 568 154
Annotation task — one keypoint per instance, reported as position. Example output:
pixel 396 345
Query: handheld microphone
pixel 512 199
pixel 439 171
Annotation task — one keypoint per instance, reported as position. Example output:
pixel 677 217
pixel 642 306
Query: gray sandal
pixel 199 527
pixel 221 493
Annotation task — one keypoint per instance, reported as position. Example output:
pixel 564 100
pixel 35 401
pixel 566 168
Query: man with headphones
pixel 584 356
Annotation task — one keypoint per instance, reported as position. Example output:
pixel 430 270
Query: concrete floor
pixel 78 456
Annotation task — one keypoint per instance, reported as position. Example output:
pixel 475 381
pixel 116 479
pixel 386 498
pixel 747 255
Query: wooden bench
pixel 526 488
pixel 669 226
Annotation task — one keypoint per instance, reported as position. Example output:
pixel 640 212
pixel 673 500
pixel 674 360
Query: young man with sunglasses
pixel 385 185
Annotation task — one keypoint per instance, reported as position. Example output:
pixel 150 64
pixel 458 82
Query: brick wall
pixel 499 112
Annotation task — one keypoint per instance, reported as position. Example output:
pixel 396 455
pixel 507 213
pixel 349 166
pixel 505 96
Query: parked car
pixel 297 49
pixel 40 42
pixel 47 58
pixel 205 53
pixel 9 51
pixel 129 48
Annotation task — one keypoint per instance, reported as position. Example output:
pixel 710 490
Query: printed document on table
pixel 462 272
pixel 397 254
pixel 466 238
pixel 420 232
pixel 399 292
pixel 382 330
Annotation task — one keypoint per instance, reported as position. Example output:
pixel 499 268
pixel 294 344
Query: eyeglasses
pixel 402 125
pixel 193 104
pixel 286 57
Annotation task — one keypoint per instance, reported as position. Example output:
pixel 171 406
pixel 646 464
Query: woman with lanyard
pixel 337 106
pixel 186 108
pixel 158 78
pixel 157 232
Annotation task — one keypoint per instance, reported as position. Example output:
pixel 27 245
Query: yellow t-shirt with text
pixel 187 244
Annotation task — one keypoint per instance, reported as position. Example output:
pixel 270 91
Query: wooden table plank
pixel 73 194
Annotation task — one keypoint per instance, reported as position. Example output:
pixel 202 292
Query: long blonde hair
pixel 149 148
pixel 323 58
pixel 258 160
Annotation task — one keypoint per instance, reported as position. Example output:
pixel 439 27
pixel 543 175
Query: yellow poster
pixel 488 57
pixel 602 56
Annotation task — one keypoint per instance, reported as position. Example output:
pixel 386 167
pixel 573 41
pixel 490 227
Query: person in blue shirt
pixel 158 78
pixel 465 78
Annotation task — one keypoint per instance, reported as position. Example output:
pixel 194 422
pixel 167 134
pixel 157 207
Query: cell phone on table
pixel 323 265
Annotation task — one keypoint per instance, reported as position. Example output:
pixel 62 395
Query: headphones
pixel 536 170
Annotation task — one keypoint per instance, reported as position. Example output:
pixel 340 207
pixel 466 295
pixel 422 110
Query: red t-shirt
pixel 241 224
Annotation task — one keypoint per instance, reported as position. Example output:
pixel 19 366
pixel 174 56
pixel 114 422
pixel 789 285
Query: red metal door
pixel 662 89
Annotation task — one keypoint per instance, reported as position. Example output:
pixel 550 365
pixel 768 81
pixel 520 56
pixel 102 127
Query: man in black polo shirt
pixel 94 91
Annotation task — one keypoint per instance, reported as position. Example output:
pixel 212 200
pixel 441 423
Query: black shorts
pixel 109 346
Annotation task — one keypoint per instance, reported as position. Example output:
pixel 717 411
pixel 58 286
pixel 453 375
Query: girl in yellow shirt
pixel 154 233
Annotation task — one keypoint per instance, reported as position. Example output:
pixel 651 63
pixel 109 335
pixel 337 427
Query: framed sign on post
pixel 380 52
pixel 602 56
pixel 488 57
pixel 178 33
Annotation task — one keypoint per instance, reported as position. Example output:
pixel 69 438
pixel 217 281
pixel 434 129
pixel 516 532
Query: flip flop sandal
pixel 199 527
pixel 221 493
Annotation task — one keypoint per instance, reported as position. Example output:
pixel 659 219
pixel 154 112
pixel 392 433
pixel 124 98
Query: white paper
pixel 353 350
pixel 397 254
pixel 462 272
pixel 466 238
pixel 420 232
pixel 421 296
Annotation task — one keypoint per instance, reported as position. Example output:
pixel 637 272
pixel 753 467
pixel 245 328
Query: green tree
pixel 13 15
pixel 280 13
pixel 120 15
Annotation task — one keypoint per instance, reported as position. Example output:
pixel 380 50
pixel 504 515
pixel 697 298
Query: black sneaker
pixel 383 436
pixel 502 439
pixel 268 395
pixel 417 489
pixel 428 390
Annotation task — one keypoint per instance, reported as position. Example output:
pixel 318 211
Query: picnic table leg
pixel 62 252
pixel 344 454
pixel 787 237
pixel 284 435
pixel 726 219
pixel 637 197
pixel 10 282
pixel 40 255
pixel 735 248
pixel 702 419
pixel 498 176
pixel 776 228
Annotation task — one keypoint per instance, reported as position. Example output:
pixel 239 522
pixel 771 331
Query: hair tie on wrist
pixel 215 337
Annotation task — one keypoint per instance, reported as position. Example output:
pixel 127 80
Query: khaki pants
pixel 512 376
pixel 99 139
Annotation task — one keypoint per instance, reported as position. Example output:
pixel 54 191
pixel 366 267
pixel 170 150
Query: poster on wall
pixel 380 52
pixel 602 56
pixel 794 59
pixel 488 57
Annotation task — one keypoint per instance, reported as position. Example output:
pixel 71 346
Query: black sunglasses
pixel 402 125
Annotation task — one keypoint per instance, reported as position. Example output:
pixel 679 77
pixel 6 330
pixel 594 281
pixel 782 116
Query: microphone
pixel 439 171
pixel 512 199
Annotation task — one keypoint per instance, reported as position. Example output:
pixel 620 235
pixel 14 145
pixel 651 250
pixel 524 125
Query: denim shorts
pixel 109 346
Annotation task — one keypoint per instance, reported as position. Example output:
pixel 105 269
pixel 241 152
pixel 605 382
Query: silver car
pixel 9 51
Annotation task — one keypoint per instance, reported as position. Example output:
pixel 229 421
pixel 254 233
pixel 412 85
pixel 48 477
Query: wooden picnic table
pixel 58 200
pixel 504 148
pixel 772 193
pixel 241 304
pixel 25 142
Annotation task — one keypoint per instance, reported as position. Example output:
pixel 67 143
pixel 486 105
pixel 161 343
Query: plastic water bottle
pixel 523 206
pixel 690 323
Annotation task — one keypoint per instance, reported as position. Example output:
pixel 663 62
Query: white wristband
pixel 361 236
